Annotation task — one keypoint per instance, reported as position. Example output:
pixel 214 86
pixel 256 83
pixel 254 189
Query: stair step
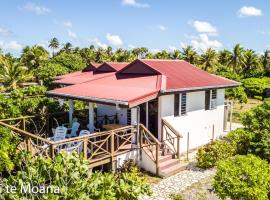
pixel 168 163
pixel 165 158
pixel 174 169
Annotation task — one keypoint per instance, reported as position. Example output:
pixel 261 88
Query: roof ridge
pixel 153 59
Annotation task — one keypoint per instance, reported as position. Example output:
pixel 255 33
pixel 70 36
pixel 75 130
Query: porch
pixel 99 148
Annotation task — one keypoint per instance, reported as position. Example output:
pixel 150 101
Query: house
pixel 169 97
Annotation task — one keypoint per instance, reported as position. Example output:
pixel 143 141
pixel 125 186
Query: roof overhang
pixel 194 89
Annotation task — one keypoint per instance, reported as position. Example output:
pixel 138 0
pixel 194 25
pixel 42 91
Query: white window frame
pixel 213 101
pixel 180 104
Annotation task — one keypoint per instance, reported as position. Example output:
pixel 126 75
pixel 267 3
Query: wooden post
pixel 112 151
pixel 187 145
pixel 157 159
pixel 91 117
pixel 178 147
pixel 23 122
pixel 52 151
pixel 28 145
pixel 147 114
pixel 231 114
pixel 141 143
pixel 85 144
pixel 213 133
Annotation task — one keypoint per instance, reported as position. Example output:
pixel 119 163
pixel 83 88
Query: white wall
pixel 198 121
pixel 103 109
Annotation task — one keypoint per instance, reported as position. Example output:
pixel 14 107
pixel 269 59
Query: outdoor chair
pixel 60 133
pixel 74 129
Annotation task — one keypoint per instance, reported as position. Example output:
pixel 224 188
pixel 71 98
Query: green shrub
pixel 241 139
pixel 71 175
pixel 237 94
pixel 260 146
pixel 257 119
pixel 210 154
pixel 8 150
pixel 242 177
pixel 176 197
pixel 254 86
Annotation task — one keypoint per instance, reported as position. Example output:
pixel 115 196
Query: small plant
pixel 176 197
pixel 242 177
pixel 211 153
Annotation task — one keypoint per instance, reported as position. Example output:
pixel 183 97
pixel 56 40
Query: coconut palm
pixel 176 54
pixel 251 63
pixel 265 60
pixel 237 60
pixel 34 56
pixel 13 73
pixel 67 47
pixel 54 44
pixel 190 55
pixel 208 59
pixel 224 57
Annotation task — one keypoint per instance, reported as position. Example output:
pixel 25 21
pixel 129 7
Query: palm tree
pixel 13 73
pixel 190 55
pixel 34 56
pixel 176 54
pixel 208 59
pixel 54 44
pixel 251 63
pixel 265 60
pixel 237 60
pixel 224 57
pixel 67 47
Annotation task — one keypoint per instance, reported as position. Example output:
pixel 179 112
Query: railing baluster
pixel 85 144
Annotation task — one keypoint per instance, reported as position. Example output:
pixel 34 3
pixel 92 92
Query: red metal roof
pixel 81 78
pixel 143 78
pixel 125 89
pixel 111 66
pixel 181 74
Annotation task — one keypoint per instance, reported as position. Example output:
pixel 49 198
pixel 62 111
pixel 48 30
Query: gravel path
pixel 177 183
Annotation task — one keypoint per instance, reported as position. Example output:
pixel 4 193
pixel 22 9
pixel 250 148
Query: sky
pixel 155 24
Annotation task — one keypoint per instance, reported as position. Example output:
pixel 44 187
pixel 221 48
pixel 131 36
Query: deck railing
pixel 170 138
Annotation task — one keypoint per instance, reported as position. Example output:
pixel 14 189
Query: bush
pixel 176 197
pixel 242 177
pixel 257 119
pixel 70 61
pixel 8 150
pixel 242 139
pixel 210 154
pixel 71 175
pixel 254 86
pixel 237 94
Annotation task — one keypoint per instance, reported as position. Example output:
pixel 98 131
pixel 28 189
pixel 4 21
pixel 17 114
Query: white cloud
pixel 203 42
pixel 162 27
pixel 72 34
pixel 204 27
pixel 68 24
pixel 37 9
pixel 114 39
pixel 247 11
pixel 98 43
pixel 172 48
pixel 154 50
pixel 12 45
pixel 134 3
pixel 4 31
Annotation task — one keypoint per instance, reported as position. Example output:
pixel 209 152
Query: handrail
pixel 26 133
pixel 165 122
pixel 149 133
pixel 17 118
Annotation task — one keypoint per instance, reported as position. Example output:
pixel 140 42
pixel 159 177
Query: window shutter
pixel 176 105
pixel 183 103
pixel 207 99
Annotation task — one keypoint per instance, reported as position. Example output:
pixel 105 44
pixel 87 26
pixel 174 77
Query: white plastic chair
pixel 74 129
pixel 84 132
pixel 60 133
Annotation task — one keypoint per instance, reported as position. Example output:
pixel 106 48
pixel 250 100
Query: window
pixel 210 99
pixel 176 105
pixel 129 117
pixel 183 107
pixel 180 104
pixel 213 103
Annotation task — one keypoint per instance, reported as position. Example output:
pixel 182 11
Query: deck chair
pixel 74 129
pixel 60 133
pixel 76 146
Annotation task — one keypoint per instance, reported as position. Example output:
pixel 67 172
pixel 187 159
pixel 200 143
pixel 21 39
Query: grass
pixel 239 108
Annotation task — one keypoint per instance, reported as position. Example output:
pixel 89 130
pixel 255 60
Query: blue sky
pixel 155 24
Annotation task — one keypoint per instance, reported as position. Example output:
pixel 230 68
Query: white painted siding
pixel 103 109
pixel 198 122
